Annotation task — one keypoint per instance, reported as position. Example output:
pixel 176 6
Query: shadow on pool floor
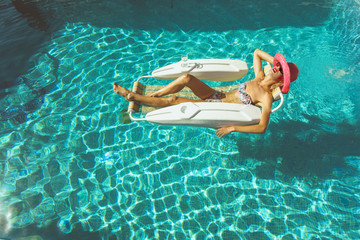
pixel 299 149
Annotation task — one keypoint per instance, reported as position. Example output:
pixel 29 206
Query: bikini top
pixel 244 96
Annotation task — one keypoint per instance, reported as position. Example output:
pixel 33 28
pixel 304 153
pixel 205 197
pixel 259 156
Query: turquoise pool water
pixel 72 167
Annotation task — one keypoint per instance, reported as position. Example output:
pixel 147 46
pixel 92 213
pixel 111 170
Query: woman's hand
pixel 223 131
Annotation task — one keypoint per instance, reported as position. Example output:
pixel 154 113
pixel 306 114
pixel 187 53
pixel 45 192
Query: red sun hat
pixel 290 71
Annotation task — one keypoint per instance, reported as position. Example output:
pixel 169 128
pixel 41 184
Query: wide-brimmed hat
pixel 290 71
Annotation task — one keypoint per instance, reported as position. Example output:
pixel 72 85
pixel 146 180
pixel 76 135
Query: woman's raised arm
pixel 259 56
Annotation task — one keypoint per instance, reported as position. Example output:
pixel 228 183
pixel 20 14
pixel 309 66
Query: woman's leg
pixel 151 101
pixel 199 88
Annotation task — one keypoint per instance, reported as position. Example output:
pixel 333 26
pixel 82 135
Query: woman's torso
pixel 253 89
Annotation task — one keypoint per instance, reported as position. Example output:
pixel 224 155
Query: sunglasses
pixel 280 69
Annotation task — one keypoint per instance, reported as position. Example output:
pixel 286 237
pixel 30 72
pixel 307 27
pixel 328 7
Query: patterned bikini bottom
pixel 216 97
pixel 244 96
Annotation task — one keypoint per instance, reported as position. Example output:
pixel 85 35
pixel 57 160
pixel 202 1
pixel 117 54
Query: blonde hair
pixel 276 85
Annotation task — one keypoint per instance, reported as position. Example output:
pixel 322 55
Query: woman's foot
pixel 128 95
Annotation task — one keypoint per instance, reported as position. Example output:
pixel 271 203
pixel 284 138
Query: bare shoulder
pixel 266 100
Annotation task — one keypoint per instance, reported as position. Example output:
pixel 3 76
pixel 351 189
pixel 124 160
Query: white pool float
pixel 221 70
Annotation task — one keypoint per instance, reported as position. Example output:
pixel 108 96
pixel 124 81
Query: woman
pixel 258 92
